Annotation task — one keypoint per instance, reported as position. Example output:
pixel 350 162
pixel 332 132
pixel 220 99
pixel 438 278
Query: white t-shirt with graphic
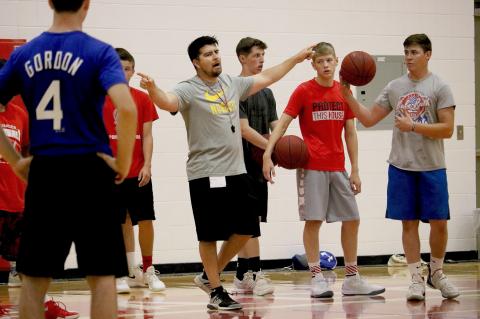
pixel 421 99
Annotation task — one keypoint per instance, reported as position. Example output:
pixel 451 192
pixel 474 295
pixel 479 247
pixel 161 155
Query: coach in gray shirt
pixel 219 188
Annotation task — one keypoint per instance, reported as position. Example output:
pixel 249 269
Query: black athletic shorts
pixel 70 199
pixel 221 212
pixel 10 230
pixel 260 204
pixel 134 200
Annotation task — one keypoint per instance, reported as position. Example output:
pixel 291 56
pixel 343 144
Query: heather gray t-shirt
pixel 421 99
pixel 214 150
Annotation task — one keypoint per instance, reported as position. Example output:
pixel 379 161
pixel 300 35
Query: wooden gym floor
pixel 182 299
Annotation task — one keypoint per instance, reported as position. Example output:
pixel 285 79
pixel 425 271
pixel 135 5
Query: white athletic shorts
pixel 325 196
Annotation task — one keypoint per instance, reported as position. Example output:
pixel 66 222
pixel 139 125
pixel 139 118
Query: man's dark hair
pixel 245 45
pixel 67 5
pixel 198 43
pixel 421 39
pixel 2 62
pixel 124 55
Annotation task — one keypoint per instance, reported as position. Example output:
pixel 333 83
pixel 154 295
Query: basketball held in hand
pixel 358 68
pixel 257 153
pixel 291 152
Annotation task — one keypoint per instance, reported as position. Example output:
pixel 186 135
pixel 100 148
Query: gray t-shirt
pixel 214 150
pixel 421 99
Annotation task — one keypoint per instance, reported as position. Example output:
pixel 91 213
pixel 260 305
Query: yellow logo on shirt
pixel 212 98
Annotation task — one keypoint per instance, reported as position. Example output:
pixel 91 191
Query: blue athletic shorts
pixel 415 195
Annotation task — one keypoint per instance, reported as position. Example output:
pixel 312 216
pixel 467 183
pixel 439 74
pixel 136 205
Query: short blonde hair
pixel 323 48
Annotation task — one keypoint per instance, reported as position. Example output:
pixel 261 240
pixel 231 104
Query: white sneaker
pixel 150 278
pixel 135 278
pixel 354 285
pixel 262 285
pixel 319 288
pixel 14 280
pixel 416 291
pixel 203 284
pixel 244 286
pixel 439 281
pixel 122 286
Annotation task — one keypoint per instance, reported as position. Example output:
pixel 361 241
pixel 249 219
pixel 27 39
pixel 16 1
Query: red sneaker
pixel 58 310
pixel 3 311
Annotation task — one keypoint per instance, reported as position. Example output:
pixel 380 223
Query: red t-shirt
pixel 14 122
pixel 323 112
pixel 146 113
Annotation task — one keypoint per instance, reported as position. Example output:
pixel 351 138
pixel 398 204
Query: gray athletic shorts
pixel 325 196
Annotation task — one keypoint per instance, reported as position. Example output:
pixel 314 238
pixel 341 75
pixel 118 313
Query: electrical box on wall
pixel 389 67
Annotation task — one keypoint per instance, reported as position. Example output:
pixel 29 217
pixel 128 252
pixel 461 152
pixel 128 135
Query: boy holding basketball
pixel 325 191
pixel 258 115
pixel 424 116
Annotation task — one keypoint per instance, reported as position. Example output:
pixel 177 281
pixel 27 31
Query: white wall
pixel 158 32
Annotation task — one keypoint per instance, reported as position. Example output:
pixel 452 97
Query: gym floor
pixel 182 299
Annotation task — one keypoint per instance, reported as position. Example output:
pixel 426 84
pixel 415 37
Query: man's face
pixel 415 58
pixel 128 69
pixel 325 65
pixel 209 61
pixel 253 62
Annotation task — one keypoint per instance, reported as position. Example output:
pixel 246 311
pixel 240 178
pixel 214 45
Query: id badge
pixel 218 182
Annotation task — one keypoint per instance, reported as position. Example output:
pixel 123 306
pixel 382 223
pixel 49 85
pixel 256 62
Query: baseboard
pixel 182 268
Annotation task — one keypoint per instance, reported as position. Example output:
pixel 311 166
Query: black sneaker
pixel 222 301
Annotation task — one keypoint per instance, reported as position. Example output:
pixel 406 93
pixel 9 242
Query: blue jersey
pixel 63 79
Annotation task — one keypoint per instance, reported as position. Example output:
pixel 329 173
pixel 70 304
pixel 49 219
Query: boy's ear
pixel 242 58
pixel 428 54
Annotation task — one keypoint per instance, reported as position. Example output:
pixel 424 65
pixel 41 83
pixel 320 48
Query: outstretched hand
pixel 146 82
pixel 305 54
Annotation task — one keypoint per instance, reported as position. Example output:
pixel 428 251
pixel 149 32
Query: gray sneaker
pixel 354 286
pixel 263 285
pixel 439 281
pixel 416 291
pixel 203 284
pixel 222 301
pixel 319 288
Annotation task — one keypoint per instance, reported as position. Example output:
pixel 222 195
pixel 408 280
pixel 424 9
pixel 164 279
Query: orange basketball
pixel 291 152
pixel 358 68
pixel 257 153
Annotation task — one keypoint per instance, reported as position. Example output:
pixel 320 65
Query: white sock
pixel 131 260
pixel 13 266
pixel 436 264
pixel 415 269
